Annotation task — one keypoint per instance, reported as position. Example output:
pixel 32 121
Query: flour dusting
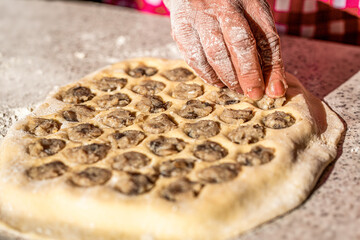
pixel 8 116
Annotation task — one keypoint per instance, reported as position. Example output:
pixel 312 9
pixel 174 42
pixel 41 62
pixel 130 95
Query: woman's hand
pixel 230 42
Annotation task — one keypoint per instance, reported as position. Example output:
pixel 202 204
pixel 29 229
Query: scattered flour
pixel 79 55
pixel 120 41
pixel 8 116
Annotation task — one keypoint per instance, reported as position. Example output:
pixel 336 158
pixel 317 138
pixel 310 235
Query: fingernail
pixel 255 93
pixel 276 88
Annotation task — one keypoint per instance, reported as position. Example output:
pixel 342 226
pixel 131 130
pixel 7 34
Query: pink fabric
pixel 334 20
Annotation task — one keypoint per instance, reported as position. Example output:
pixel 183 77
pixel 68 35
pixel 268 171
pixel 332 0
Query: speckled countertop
pixel 44 44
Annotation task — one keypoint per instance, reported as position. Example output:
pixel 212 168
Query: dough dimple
pixel 142 71
pixel 90 177
pixel 194 109
pixel 234 116
pixel 87 154
pixel 187 91
pixel 247 134
pixel 180 74
pixel 126 139
pixel 113 100
pixel 45 147
pixel 164 146
pixel 78 113
pixel 278 120
pixel 177 167
pixel 202 129
pixel 148 87
pixel 84 132
pixel 152 104
pixel 218 173
pixel 210 151
pixel 134 183
pixel 108 84
pixel 160 124
pixel 119 118
pixel 47 171
pixel 258 155
pixel 42 126
pixel 181 189
pixel 78 94
pixel 130 161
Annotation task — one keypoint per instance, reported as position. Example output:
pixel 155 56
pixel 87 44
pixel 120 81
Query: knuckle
pixel 218 55
pixel 243 41
pixel 275 67
pixel 269 41
pixel 251 77
pixel 265 4
pixel 270 50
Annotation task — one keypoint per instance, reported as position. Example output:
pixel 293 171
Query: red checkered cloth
pixel 333 20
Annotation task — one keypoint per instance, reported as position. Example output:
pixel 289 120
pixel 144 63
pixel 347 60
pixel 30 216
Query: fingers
pixel 189 45
pixel 242 47
pixel 260 19
pixel 216 51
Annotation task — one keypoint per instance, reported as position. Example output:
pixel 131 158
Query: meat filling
pixel 142 71
pixel 163 146
pixel 233 116
pixel 159 124
pixel 195 109
pixel 109 84
pixel 119 118
pixel 225 97
pixel 181 189
pixel 148 87
pixel 134 183
pixel 176 168
pixel 186 91
pixel 210 151
pixel 78 113
pixel 219 173
pixel 179 74
pixel 47 171
pixel 267 103
pixel 87 154
pixel 77 95
pixel 258 155
pixel 247 134
pixel 42 126
pixel 202 129
pixel 127 139
pixel 46 147
pixel 113 100
pixel 84 132
pixel 152 104
pixel 130 161
pixel 90 177
pixel 278 120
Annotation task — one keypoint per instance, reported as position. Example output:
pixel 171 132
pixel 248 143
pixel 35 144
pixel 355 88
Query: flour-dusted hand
pixel 230 42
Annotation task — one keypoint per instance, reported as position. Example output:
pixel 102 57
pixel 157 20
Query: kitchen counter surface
pixel 44 44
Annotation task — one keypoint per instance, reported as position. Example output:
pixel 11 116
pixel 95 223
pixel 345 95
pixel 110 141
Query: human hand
pixel 230 42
